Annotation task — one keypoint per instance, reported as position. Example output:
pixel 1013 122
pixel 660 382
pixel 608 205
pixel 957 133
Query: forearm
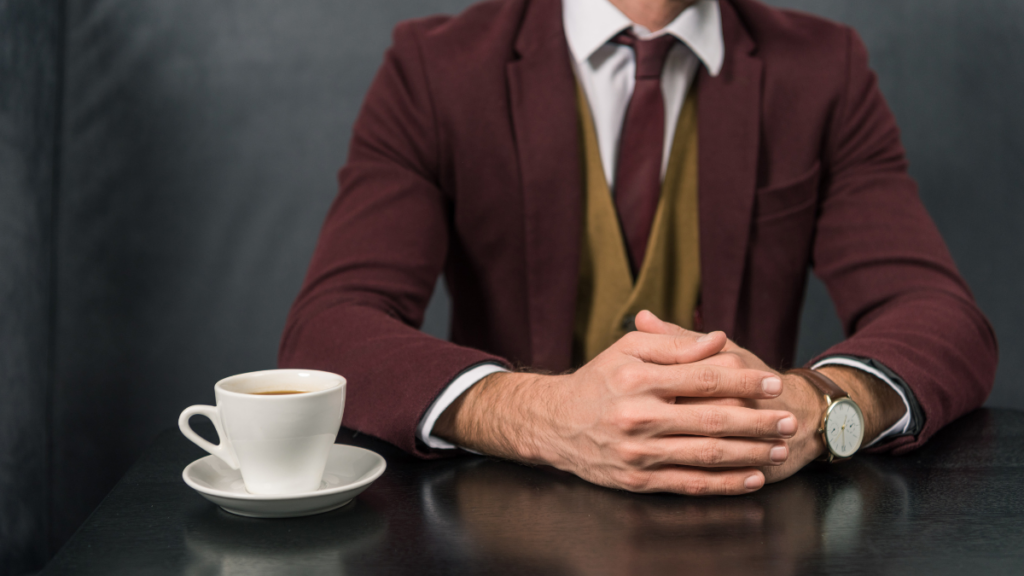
pixel 894 284
pixel 493 417
pixel 940 345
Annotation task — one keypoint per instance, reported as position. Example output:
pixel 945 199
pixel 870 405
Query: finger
pixel 665 349
pixel 702 452
pixel 707 380
pixel 720 452
pixel 721 422
pixel 686 400
pixel 695 481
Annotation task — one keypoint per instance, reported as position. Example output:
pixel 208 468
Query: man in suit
pixel 570 166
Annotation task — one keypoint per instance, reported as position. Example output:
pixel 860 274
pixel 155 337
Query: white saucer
pixel 349 471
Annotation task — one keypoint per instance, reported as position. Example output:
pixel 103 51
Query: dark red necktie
pixel 638 174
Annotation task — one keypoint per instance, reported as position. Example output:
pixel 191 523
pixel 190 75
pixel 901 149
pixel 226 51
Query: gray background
pixel 165 167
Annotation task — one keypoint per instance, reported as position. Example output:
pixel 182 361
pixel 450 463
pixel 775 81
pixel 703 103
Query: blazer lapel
pixel 729 115
pixel 546 125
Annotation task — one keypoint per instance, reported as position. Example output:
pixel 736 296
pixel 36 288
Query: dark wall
pixel 29 88
pixel 197 151
pixel 200 145
pixel 952 73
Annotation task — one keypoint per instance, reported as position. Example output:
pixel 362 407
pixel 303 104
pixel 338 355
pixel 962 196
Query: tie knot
pixel 650 54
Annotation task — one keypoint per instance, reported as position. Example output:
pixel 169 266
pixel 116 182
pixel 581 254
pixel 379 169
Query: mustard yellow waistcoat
pixel 668 283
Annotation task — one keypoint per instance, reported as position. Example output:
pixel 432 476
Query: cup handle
pixel 224 450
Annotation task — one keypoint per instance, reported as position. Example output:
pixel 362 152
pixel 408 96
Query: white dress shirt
pixel 607 73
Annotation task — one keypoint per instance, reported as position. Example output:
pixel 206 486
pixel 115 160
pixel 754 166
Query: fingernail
pixel 787 426
pixel 752 482
pixel 772 386
pixel 705 338
pixel 778 454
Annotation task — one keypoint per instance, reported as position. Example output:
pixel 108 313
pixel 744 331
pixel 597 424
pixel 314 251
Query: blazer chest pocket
pixel 790 197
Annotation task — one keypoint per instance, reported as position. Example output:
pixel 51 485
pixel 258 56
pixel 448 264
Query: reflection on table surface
pixel 566 526
pixel 217 542
pixel 541 521
pixel 953 507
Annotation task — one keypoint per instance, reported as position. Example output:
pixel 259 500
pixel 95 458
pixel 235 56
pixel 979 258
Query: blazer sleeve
pixel 899 295
pixel 377 260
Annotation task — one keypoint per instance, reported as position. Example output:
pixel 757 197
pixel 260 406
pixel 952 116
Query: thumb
pixel 646 321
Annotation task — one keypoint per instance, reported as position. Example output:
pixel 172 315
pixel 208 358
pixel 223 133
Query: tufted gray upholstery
pixel 29 88
pixel 165 167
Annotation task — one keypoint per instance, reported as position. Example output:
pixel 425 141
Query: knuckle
pixel 680 344
pixel 631 339
pixel 708 381
pixel 631 375
pixel 729 485
pixel 712 422
pixel 754 456
pixel 752 380
pixel 635 480
pixel 697 486
pixel 628 420
pixel 710 453
pixel 631 454
pixel 766 425
pixel 733 360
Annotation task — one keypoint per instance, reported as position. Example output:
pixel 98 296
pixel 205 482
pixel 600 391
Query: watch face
pixel 844 428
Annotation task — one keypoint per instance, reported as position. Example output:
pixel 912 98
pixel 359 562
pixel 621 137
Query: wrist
pixel 880 404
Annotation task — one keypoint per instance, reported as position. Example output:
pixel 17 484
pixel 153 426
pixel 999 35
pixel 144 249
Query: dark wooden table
pixel 954 507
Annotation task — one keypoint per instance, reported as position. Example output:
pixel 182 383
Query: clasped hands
pixel 662 410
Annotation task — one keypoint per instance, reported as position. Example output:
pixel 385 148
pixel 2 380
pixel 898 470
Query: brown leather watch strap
pixel 821 382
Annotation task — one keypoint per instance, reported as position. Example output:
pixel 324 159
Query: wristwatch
pixel 842 424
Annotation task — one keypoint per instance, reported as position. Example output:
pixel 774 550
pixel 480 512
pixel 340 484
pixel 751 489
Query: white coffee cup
pixel 280 442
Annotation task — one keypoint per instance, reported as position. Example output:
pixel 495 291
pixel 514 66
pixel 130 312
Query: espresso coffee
pixel 278 392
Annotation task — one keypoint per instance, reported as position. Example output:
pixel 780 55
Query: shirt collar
pixel 590 24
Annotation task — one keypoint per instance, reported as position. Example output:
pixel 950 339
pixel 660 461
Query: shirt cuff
pixel 903 424
pixel 460 384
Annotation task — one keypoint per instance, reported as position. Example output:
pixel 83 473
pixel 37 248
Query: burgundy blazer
pixel 466 159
